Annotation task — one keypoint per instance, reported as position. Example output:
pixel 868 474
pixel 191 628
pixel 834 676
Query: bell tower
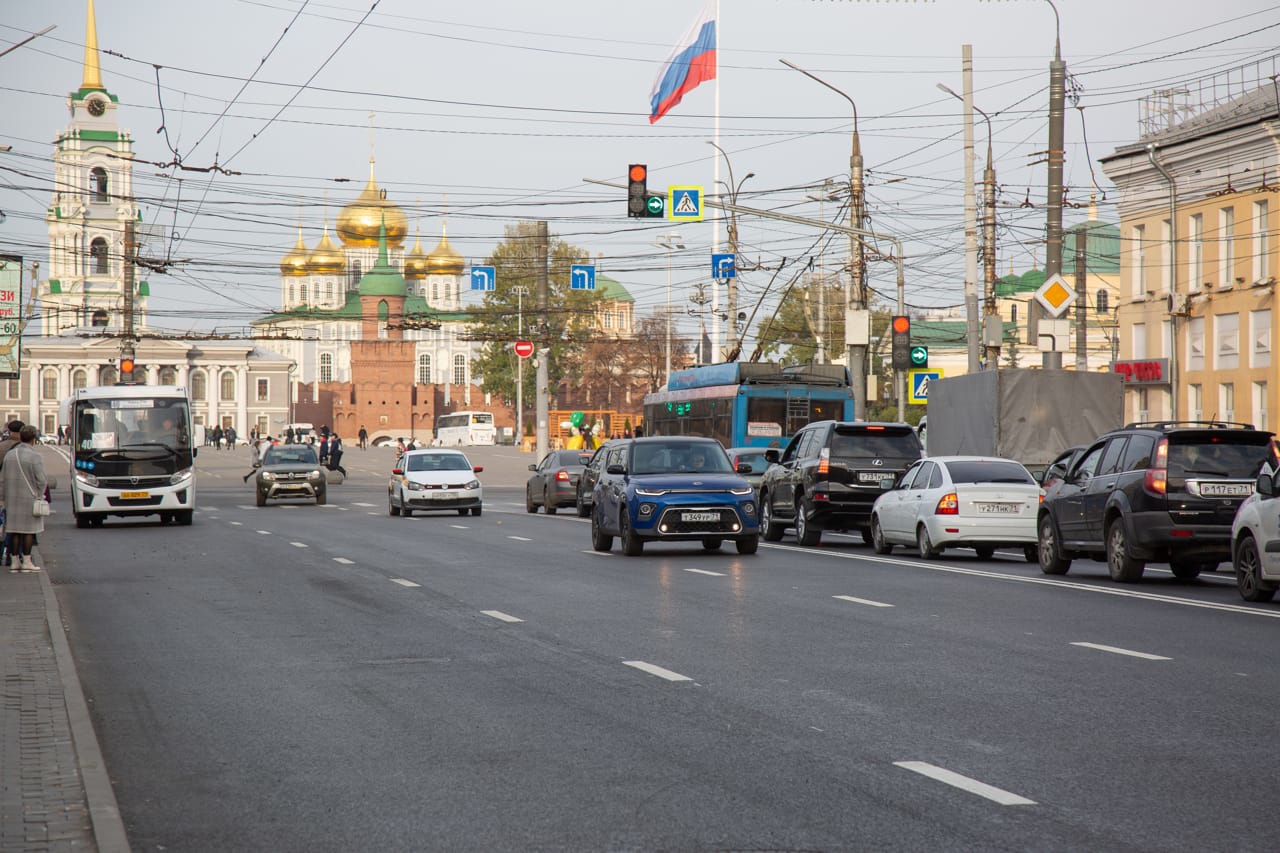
pixel 91 211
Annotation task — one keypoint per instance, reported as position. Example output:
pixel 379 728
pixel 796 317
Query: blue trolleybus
pixel 748 405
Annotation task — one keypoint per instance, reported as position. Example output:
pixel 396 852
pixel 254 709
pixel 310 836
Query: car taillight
pixel 824 461
pixel 562 476
pixel 1156 480
pixel 948 505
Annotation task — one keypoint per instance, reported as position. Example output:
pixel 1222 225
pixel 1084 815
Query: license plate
pixel 1226 490
pixel 998 509
pixel 133 496
pixel 872 476
pixel 699 516
pixel 440 496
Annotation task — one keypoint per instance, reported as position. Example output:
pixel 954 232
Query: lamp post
pixel 520 291
pixel 731 301
pixel 670 242
pixel 857 322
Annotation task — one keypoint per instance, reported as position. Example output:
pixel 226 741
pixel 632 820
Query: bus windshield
pixel 131 424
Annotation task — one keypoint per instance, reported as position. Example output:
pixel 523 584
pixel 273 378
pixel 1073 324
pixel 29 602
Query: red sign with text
pixel 1149 371
pixel 524 349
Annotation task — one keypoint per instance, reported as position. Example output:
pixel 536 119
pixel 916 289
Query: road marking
pixel 657 670
pixel 1118 651
pixel 210 509
pixel 404 582
pixel 498 614
pixel 598 553
pixel 973 786
pixel 865 601
pixel 265 532
pixel 236 523
pixel 520 538
pixel 459 527
pixel 299 544
pixel 359 503
pixel 705 572
pixel 286 506
pixel 373 513
pixel 245 506
pixel 344 561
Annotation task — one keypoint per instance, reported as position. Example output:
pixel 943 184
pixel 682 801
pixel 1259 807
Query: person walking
pixel 9 441
pixel 216 437
pixel 334 454
pixel 231 438
pixel 22 482
pixel 363 435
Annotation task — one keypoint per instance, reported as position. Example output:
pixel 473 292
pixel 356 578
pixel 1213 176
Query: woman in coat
pixel 22 480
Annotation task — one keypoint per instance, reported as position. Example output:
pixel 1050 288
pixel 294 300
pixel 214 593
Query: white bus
pixel 465 428
pixel 131 453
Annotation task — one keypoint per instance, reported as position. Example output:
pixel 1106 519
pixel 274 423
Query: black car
pixel 830 474
pixel 1152 492
pixel 1061 464
pixel 588 478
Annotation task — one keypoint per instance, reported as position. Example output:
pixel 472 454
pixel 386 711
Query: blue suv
pixel 675 489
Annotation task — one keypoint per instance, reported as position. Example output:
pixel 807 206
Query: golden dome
pixel 415 263
pixel 443 260
pixel 326 258
pixel 359 222
pixel 295 262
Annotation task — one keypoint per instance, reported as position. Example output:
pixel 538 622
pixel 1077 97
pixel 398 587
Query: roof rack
pixel 1200 424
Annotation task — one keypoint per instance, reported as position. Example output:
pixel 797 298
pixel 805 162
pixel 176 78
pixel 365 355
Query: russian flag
pixel 693 61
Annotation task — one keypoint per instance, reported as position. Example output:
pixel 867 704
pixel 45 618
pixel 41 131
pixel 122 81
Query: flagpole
pixel 715 188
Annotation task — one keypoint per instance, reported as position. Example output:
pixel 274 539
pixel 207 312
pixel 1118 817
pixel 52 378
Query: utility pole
pixel 127 353
pixel 544 346
pixel 1053 203
pixel 701 300
pixel 970 216
pixel 520 291
pixel 1082 301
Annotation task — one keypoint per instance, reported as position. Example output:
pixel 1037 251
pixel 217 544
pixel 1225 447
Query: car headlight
pixel 745 490
pixel 180 477
pixel 268 476
pixel 412 486
pixel 474 484
pixel 315 475
pixel 651 493
pixel 87 479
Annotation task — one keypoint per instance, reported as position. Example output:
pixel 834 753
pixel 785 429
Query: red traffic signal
pixel 637 190
pixel 126 365
pixel 902 325
pixel 901 342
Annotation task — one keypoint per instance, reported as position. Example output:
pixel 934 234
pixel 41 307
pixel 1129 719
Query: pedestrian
pixel 363 435
pixel 230 436
pixel 324 449
pixel 9 441
pixel 400 448
pixel 216 437
pixel 334 454
pixel 22 483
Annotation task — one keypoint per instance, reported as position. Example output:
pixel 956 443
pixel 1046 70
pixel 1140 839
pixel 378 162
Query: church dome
pixel 415 263
pixel 295 262
pixel 360 221
pixel 382 278
pixel 326 258
pixel 443 260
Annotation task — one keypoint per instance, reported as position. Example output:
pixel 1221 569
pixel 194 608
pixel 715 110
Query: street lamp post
pixel 670 242
pixel 731 301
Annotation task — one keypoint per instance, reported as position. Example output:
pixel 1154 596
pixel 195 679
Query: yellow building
pixel 1198 220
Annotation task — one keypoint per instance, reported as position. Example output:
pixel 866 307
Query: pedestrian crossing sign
pixel 684 203
pixel 918 384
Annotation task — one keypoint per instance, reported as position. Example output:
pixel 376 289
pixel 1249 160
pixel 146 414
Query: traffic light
pixel 901 328
pixel 126 371
pixel 919 356
pixel 640 202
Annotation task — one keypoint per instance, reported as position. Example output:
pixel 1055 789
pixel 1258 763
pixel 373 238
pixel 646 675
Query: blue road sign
pixel 484 278
pixel 918 382
pixel 684 203
pixel 722 266
pixel 582 277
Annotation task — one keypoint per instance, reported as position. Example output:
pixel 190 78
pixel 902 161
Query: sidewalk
pixel 54 791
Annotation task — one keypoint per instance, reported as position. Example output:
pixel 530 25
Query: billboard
pixel 10 315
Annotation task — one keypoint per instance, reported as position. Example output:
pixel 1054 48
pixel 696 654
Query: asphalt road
pixel 333 678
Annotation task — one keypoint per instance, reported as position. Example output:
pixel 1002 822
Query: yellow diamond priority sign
pixel 1055 295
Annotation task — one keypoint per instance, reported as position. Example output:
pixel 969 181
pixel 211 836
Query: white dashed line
pixel 598 553
pixel 299 544
pixel 705 572
pixel 657 670
pixel 210 509
pixel 459 527
pixel 359 503
pixel 1118 651
pixel 498 614
pixel 404 582
pixel 520 538
pixel 236 523
pixel 865 601
pixel 973 786
pixel 265 532
pixel 245 506
pixel 344 561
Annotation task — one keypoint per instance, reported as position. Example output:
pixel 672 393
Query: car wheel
pixel 770 529
pixel 807 533
pixel 748 544
pixel 548 503
pixel 878 542
pixel 99 520
pixel 261 498
pixel 1031 553
pixel 405 512
pixel 1185 571
pixel 985 552
pixel 924 545
pixel 322 498
pixel 475 511
pixel 392 509
pixel 582 509
pixel 711 544
pixel 1123 568
pixel 632 545
pixel 1049 554
pixel 866 536
pixel 82 520
pixel 600 541
pixel 1249 573
pixel 529 505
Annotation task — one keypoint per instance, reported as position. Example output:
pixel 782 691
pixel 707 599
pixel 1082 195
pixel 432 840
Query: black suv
pixel 1152 492
pixel 830 474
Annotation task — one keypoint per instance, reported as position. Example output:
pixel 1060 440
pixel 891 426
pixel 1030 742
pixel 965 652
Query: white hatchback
pixel 434 479
pixel 1255 541
pixel 978 502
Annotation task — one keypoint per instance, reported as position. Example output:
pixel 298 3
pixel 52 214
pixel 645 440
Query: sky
pixel 488 112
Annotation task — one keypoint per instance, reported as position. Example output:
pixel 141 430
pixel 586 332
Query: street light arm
pixel 795 67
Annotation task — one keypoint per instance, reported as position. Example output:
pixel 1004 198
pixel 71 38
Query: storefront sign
pixel 1151 371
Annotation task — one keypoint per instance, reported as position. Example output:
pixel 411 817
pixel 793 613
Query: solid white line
pixel 299 544
pixel 459 527
pixel 705 572
pixel 404 582
pixel 520 538
pixel 344 561
pixel 1119 651
pixel 498 614
pixel 973 786
pixel 265 532
pixel 657 670
pixel 865 601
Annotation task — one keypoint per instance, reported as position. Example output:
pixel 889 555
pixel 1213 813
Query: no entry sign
pixel 524 349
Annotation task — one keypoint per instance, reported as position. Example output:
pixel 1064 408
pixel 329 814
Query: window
pixel 13 390
pixel 1139 287
pixel 1144 405
pixel 1195 402
pixel 107 375
pixel 1112 455
pixel 1195 250
pixel 227 386
pixel 168 376
pixel 384 312
pixel 98 183
pixel 79 379
pixel 99 319
pixel 1226 341
pixel 1137 454
pixel 49 385
pixel 50 424
pixel 1261 257
pixel 98 252
pixel 435 291
pixel 1101 299
pixel 1226 247
pixel 922 478
pixel 459 370
pixel 1139 341
pixel 263 393
pixel 1166 335
pixel 355 275
pixel 608 319
pixel 1227 402
pixel 329 292
pixel 326 367
pixel 199 385
pixel 1260 405
pixel 1195 344
pixel 424 369
pixel 1260 338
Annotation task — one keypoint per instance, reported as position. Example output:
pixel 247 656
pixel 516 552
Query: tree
pixel 646 356
pixel 791 335
pixel 565 329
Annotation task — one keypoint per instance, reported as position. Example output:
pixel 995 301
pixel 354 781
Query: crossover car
pixel 977 502
pixel 554 482
pixel 1166 491
pixel 830 475
pixel 434 479
pixel 289 471
pixel 1255 540
pixel 674 489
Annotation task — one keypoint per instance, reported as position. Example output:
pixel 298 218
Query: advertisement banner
pixel 10 315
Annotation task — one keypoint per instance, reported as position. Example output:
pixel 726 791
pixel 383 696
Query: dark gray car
pixel 289 471
pixel 554 481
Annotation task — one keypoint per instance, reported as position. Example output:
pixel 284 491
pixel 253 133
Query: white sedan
pixel 977 502
pixel 434 480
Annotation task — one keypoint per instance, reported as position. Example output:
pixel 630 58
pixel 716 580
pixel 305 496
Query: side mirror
pixel 744 468
pixel 533 467
pixel 1266 485
pixel 617 469
pixel 479 469
pixel 772 456
pixel 397 471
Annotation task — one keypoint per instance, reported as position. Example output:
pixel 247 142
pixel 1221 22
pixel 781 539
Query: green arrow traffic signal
pixel 919 356
pixel 655 205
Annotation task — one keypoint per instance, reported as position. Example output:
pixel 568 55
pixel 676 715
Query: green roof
pixel 382 279
pixel 414 306
pixel 79 94
pixel 949 333
pixel 1101 248
pixel 612 290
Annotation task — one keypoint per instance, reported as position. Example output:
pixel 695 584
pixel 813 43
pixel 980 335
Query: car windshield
pixel 1217 456
pixel 679 458
pixel 889 443
pixel 290 456
pixel 437 462
pixel 983 471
